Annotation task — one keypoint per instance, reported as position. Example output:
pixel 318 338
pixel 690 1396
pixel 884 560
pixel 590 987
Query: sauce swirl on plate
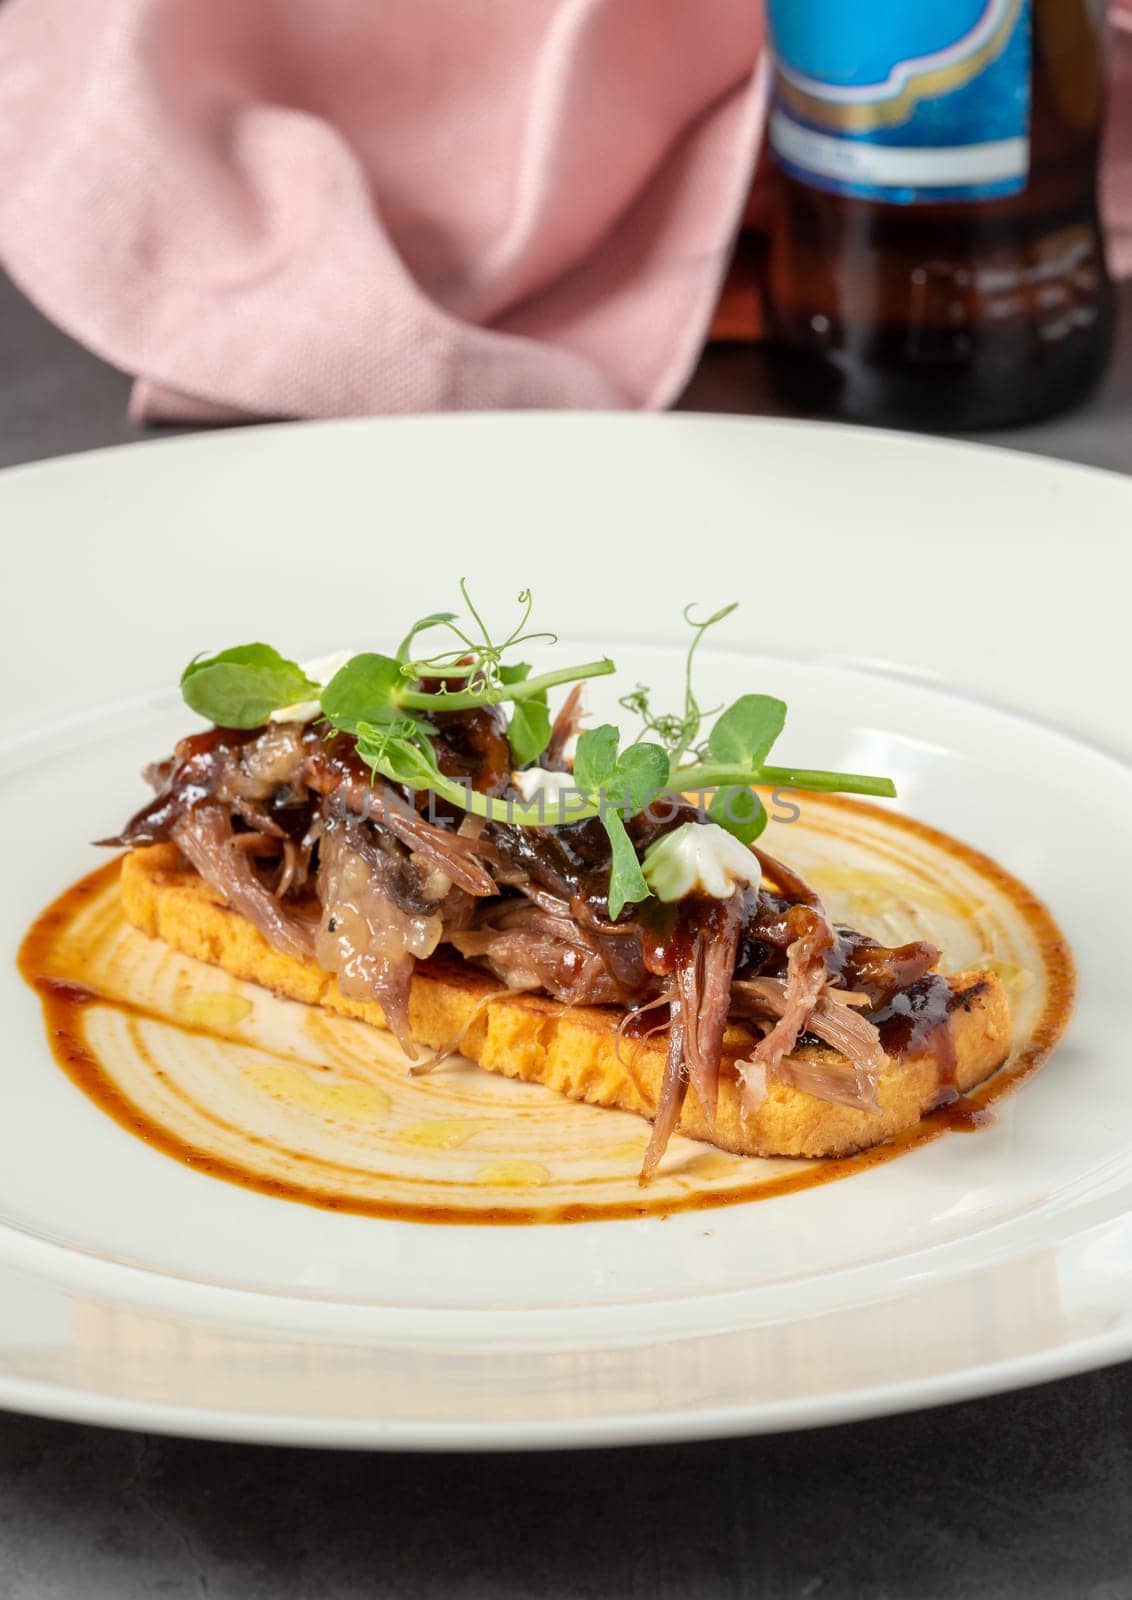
pixel 295 1103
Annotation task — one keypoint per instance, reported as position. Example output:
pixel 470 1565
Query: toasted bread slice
pixel 575 1051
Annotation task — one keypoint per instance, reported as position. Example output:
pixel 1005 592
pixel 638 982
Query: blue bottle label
pixel 908 101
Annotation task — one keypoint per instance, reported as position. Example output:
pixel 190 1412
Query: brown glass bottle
pixel 955 315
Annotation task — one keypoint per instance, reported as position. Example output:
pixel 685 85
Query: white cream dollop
pixel 699 858
pixel 319 671
pixel 536 783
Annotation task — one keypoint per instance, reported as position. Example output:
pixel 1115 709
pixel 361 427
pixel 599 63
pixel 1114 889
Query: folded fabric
pixel 337 207
pixel 1116 172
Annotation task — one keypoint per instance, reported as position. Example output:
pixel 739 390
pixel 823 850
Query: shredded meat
pixel 836 1023
pixel 563 729
pixel 205 836
pixel 805 981
pixel 528 946
pixel 673 1092
pixel 703 984
pixel 290 826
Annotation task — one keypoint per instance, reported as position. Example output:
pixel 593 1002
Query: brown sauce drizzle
pixel 915 1022
pixel 920 1023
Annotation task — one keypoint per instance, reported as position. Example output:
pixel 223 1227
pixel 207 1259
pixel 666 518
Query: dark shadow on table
pixel 1027 1494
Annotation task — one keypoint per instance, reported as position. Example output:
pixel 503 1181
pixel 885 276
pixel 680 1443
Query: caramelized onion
pixel 365 937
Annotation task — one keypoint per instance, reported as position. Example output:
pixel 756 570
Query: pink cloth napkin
pixel 1116 177
pixel 336 207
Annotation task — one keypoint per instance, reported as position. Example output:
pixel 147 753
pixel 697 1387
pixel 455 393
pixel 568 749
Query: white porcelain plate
pixel 950 615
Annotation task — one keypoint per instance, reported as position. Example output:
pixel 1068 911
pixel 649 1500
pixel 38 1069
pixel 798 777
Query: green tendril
pixel 376 699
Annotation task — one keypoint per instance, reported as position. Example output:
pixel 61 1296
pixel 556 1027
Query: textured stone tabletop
pixel 1027 1494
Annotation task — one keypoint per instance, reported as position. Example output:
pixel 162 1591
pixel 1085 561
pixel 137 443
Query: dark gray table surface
pixel 1024 1494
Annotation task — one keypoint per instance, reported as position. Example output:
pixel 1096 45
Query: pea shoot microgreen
pixel 620 783
pixel 528 732
pixel 476 657
pixel 389 704
pixel 677 731
pixel 246 684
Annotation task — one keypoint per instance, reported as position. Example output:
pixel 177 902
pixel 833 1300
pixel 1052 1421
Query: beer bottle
pixel 935 257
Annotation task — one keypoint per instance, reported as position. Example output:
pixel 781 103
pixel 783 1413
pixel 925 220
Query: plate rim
pixel 31 1397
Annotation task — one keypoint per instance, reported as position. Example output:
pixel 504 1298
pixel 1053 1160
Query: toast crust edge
pixel 574 1051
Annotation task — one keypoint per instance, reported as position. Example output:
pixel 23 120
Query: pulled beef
pixel 289 825
pixel 182 782
pixel 566 724
pixel 705 967
pixel 529 947
pixel 835 1021
pixel 204 834
pixel 673 1091
pixel 805 982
